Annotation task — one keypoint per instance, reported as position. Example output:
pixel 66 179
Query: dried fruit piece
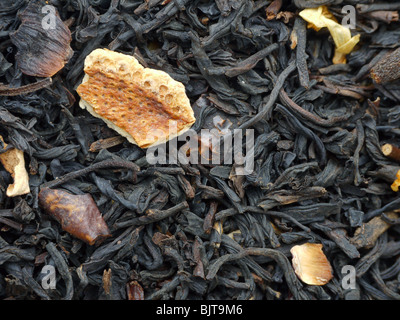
pixel 107 281
pixel 77 214
pixel 14 162
pixel 319 18
pixel 395 185
pixel 43 41
pixel 311 264
pixel 135 291
pixel 141 104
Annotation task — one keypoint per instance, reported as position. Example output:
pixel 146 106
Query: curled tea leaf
pixel 32 87
pixel 77 214
pixel 367 235
pixel 43 41
pixel 14 162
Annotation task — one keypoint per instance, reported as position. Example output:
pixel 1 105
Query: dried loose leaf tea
pixel 311 264
pixel 14 162
pixel 77 214
pixel 43 41
pixel 289 149
pixel 367 235
pixel 141 104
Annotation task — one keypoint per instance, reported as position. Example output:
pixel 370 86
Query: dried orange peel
pixel 319 18
pixel 395 185
pixel 145 105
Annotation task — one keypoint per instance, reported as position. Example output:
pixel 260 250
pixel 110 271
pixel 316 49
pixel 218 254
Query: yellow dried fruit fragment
pixel 395 185
pixel 319 18
pixel 13 161
pixel 310 264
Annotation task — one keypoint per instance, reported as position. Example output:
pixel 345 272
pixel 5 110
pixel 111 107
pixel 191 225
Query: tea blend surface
pixel 315 83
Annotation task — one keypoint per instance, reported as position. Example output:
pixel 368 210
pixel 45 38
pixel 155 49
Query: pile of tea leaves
pixel 203 231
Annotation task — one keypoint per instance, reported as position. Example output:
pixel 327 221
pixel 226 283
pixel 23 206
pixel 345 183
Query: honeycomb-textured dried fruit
pixel 42 39
pixel 310 264
pixel 77 214
pixel 141 104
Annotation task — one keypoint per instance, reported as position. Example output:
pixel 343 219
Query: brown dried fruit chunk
pixel 42 51
pixel 311 264
pixel 77 214
pixel 135 291
pixel 14 162
pixel 141 104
